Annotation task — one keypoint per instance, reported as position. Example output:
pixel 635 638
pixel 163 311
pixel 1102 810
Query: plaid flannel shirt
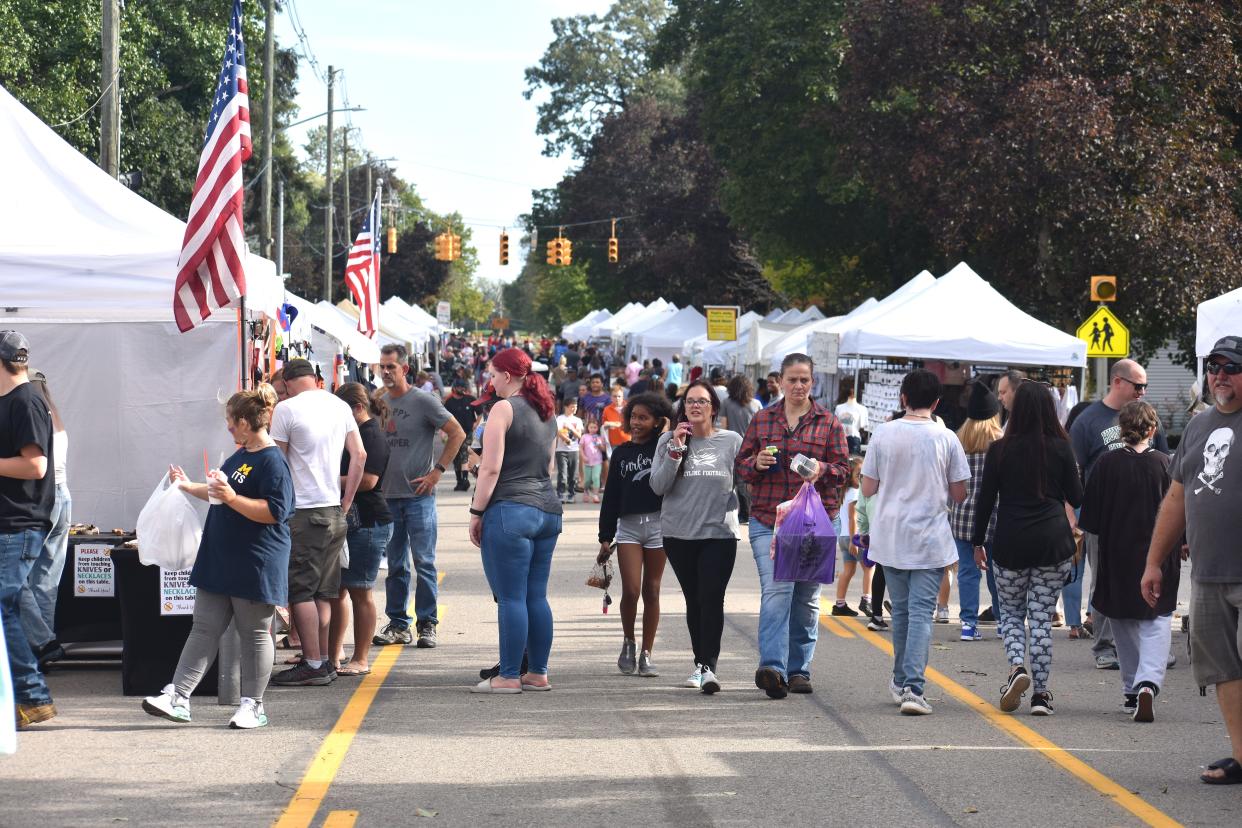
pixel 819 434
pixel 962 515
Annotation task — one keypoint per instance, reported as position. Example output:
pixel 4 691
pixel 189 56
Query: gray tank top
pixel 528 453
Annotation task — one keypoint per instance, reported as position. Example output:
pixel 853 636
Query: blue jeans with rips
pixel 518 541
pixel 413 536
pixel 788 613
pixel 913 593
pixel 43 582
pixel 18 552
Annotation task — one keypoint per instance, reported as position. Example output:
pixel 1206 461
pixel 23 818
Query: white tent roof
pixel 1218 317
pixel 964 318
pixel 636 321
pixel 790 317
pixel 611 324
pixel 412 314
pixel 583 327
pixel 812 313
pixel 799 339
pixel 79 244
pixel 337 324
pixel 675 331
pixel 774 314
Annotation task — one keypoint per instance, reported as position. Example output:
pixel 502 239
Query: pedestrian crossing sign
pixel 1105 335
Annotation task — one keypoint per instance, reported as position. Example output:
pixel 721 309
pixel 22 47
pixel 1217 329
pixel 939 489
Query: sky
pixel 442 85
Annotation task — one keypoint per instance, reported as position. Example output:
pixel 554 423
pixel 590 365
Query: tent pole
pixel 241 338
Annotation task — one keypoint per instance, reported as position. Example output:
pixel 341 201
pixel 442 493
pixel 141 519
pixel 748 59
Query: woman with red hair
pixel 515 519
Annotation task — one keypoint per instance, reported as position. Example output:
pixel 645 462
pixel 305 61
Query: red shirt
pixel 819 434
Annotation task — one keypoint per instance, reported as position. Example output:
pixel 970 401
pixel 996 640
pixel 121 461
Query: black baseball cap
pixel 296 368
pixel 14 347
pixel 461 383
pixel 1226 346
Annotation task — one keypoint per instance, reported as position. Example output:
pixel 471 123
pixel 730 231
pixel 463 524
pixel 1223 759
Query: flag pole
pixel 241 338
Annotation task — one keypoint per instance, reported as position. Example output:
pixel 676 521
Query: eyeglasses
pixel 1142 386
pixel 697 403
pixel 1230 368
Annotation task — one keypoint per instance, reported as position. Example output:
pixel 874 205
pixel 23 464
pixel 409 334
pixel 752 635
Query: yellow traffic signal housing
pixel 504 249
pixel 560 251
pixel 392 240
pixel 612 250
pixel 454 246
pixel 1103 288
pixel 567 254
pixel 442 247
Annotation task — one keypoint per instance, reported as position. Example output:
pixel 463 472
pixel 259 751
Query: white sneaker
pixel 169 704
pixel 942 615
pixel 249 715
pixel 894 691
pixel 696 678
pixel 912 704
pixel 710 683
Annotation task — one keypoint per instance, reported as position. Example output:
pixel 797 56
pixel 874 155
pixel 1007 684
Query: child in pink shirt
pixel 591 447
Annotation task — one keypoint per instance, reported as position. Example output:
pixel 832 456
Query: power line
pixel 299 31
pixel 115 77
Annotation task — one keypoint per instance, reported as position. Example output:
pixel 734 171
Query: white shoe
pixel 249 716
pixel 711 684
pixel 696 678
pixel 894 691
pixel 169 704
pixel 912 704
pixel 942 615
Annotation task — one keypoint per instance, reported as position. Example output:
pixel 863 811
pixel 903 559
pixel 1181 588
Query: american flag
pixel 362 270
pixel 210 273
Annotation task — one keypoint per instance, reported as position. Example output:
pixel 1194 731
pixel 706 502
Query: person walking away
pixel 1071 595
pixel 789 611
pixel 849 560
pixel 568 432
pixel 368 530
pixel 630 518
pixel 313 428
pixel 242 569
pixel 977 434
pixel 27 498
pixel 1095 432
pixel 460 404
pixel 43 582
pixel 1204 501
pixel 914 468
pixel 1029 475
pixel 739 408
pixel 409 487
pixel 515 519
pixel 676 371
pixel 693 471
pixel 1119 507
pixel 591 454
pixel 853 417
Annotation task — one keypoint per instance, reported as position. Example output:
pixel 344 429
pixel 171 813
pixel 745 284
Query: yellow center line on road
pixel 301 810
pixel 835 627
pixel 1006 723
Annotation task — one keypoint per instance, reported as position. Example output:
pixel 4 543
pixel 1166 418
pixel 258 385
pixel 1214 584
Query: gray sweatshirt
pixel 699 503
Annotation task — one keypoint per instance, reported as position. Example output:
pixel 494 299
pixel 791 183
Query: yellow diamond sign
pixel 1105 335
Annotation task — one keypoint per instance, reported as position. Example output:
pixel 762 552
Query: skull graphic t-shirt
pixel 1210 470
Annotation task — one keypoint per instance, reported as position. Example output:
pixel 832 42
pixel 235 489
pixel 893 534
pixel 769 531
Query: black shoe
pixel 844 609
pixel 769 681
pixel 877 624
pixel 986 617
pixel 864 608
pixel 800 684
pixel 427 635
pixel 1041 704
pixel 49 652
pixel 304 675
pixel 1014 689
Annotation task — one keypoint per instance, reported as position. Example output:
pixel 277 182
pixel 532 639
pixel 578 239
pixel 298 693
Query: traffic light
pixel 504 248
pixel 612 250
pixel 1103 288
pixel 442 248
pixel 560 251
pixel 454 246
pixel 392 240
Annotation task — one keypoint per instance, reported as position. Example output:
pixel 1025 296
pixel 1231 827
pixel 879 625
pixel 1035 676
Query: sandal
pixel 349 671
pixel 1232 772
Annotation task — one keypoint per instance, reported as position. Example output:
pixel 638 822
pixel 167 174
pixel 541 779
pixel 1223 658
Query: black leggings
pixel 703 568
pixel 877 592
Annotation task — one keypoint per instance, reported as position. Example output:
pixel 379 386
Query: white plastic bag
pixel 8 724
pixel 169 529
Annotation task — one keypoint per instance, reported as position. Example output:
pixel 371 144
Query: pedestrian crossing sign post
pixel 1105 335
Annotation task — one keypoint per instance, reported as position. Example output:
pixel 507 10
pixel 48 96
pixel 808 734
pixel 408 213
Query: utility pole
pixel 269 81
pixel 349 237
pixel 327 222
pixel 110 112
pixel 280 232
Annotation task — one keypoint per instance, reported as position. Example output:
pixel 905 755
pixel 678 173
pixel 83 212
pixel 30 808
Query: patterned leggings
pixel 1030 595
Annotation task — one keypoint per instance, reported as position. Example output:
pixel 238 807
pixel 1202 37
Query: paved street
pixel 409 744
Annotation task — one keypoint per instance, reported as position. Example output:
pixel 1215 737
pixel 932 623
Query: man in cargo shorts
pixel 312 428
pixel 1204 501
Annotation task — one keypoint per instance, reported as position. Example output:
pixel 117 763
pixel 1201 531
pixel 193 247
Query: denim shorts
pixel 366 548
pixel 847 550
pixel 643 530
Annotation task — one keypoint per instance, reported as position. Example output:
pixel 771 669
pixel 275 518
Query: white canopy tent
pixel 811 314
pixel 671 335
pixel 653 316
pixel 87 269
pixel 604 328
pixel 717 352
pixel 623 323
pixel 1215 318
pixel 991 329
pixel 581 329
pixel 774 314
pixel 799 339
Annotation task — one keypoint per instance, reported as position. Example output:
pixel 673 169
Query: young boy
pixel 568 432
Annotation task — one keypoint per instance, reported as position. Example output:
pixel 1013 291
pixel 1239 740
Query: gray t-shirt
pixel 698 503
pixel 524 474
pixel 738 416
pixel 1096 431
pixel 1213 494
pixel 414 419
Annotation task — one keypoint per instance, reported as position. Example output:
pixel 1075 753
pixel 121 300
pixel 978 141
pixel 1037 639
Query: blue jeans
pixel 366 546
pixel 413 531
pixel 788 613
pixel 18 552
pixel 913 592
pixel 518 541
pixel 968 582
pixel 1072 595
pixel 43 582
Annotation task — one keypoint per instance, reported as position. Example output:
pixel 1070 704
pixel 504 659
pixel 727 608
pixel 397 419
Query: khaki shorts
pixel 315 555
pixel 1215 632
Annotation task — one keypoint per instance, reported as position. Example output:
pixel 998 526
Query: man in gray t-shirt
pixel 1204 502
pixel 409 485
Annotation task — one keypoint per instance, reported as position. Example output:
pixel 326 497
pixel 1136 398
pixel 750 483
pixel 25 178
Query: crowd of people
pixel 1017 495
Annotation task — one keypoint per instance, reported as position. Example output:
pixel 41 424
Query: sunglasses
pixel 1230 368
pixel 1138 386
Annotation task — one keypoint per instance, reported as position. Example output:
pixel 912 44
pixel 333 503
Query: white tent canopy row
pixel 1217 318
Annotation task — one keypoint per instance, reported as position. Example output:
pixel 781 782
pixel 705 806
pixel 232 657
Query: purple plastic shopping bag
pixel 806 541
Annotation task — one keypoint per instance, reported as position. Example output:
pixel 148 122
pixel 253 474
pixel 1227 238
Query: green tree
pixel 562 295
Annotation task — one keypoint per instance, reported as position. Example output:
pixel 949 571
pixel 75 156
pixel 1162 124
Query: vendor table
pixel 87 609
